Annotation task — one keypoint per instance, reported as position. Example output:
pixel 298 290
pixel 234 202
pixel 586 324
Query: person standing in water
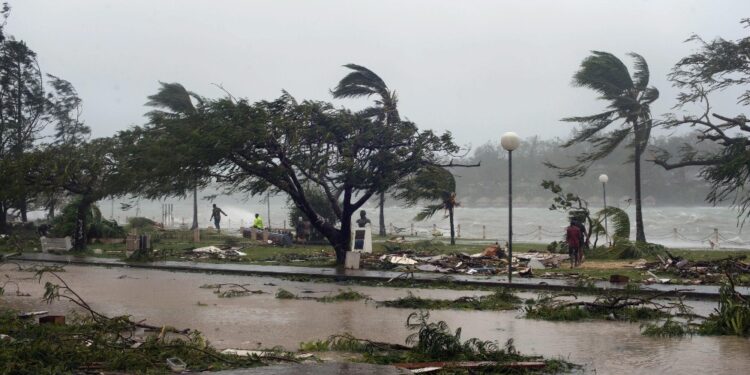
pixel 216 217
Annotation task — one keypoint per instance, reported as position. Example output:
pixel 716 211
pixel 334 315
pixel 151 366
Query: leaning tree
pixel 628 111
pixel 88 171
pixel 290 147
pixel 174 107
pixel 717 65
pixel 434 185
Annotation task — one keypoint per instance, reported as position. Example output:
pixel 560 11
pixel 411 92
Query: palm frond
pixel 428 211
pixel 360 82
pixel 641 73
pixel 618 223
pixel 173 97
pixel 604 73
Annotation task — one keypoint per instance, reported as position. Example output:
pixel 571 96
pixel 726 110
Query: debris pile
pixel 491 261
pixel 700 271
pixel 217 252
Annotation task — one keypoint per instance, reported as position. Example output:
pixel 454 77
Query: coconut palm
pixel 628 112
pixel 175 103
pixel 363 82
pixel 433 184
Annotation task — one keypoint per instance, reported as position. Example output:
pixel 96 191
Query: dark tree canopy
pixel 287 146
pixel 717 65
pixel 88 171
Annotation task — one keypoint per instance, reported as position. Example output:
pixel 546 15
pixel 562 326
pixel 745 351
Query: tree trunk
pixel 3 218
pixel 24 208
pixel 195 208
pixel 382 215
pixel 342 244
pixel 453 232
pixel 51 209
pixel 80 236
pixel 640 235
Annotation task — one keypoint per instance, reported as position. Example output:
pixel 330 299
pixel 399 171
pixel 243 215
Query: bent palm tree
pixel 629 99
pixel 363 82
pixel 175 103
pixel 433 184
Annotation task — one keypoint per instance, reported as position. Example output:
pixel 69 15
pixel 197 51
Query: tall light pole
pixel 603 178
pixel 510 141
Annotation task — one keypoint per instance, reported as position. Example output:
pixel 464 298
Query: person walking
pixel 573 239
pixel 216 217
pixel 258 222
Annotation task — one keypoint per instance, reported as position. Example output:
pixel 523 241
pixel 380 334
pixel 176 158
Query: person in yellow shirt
pixel 258 222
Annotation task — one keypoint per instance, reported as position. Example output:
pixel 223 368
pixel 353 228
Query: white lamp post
pixel 603 178
pixel 510 141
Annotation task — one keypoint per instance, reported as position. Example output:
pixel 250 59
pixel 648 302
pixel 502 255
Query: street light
pixel 603 178
pixel 510 141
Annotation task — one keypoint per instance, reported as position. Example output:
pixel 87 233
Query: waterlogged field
pixel 262 320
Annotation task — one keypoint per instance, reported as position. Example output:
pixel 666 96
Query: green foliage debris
pixel 502 299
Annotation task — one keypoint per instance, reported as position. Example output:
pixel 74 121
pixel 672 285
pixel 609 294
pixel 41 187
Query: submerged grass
pixel 86 345
pixel 342 295
pixel 502 299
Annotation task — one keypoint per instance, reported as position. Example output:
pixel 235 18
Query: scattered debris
pixel 217 252
pixel 234 290
pixel 31 314
pixel 491 261
pixel 176 365
pixel 502 299
pixel 395 259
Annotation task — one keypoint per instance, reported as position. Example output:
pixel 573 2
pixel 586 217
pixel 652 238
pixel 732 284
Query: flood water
pixel 261 320
pixel 687 227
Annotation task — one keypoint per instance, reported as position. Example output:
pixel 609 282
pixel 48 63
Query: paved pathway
pixel 695 291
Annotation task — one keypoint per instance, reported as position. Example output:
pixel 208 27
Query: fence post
pixel 674 234
pixel 539 230
pixel 284 224
pixel 484 232
pixel 412 229
pixel 459 230
pixel 716 235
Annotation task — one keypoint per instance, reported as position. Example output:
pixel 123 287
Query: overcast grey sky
pixel 477 68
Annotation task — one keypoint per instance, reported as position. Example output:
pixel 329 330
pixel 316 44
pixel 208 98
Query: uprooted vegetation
pixel 501 299
pixel 627 304
pixel 434 341
pixel 341 296
pixel 93 342
pixel 731 317
pixel 230 290
pixel 661 316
